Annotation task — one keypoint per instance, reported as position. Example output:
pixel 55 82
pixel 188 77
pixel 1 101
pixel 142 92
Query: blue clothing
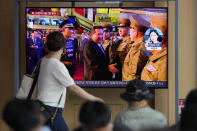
pixel 38 42
pixel 35 53
pixel 70 53
pixel 28 55
pixel 58 123
pixel 70 56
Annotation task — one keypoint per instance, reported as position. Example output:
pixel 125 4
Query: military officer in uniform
pixel 122 45
pixel 106 36
pixel 156 68
pixel 136 58
pixel 69 56
pixel 108 44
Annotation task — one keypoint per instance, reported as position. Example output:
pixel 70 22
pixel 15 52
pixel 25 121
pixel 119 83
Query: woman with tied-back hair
pixel 54 80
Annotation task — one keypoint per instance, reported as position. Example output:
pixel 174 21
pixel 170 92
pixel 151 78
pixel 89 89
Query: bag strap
pixel 53 116
pixel 36 73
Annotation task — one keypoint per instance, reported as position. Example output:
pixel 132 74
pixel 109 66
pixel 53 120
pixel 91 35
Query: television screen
pixel 107 46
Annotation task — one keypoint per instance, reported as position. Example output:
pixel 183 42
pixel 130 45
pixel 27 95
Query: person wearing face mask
pixel 136 57
pixel 96 61
pixel 156 67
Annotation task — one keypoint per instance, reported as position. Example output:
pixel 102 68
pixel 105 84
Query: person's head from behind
pixel 21 115
pixel 55 42
pixel 136 93
pixel 191 98
pixel 189 112
pixel 189 117
pixel 97 34
pixel 95 116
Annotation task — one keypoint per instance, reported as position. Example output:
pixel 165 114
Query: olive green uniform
pixel 135 61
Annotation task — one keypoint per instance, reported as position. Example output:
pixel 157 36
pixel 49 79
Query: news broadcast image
pixel 104 47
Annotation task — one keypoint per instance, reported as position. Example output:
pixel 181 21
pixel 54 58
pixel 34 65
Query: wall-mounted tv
pixel 133 44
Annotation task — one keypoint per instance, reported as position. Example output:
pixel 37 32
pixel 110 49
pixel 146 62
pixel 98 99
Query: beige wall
pixel 6 54
pixel 165 98
pixel 171 63
pixel 187 64
pixel 187 46
pixel 111 97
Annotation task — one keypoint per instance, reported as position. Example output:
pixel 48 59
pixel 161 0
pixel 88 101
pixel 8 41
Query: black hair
pixel 121 127
pixel 94 28
pixel 160 38
pixel 135 85
pixel 55 41
pixel 94 115
pixel 191 98
pixel 189 117
pixel 21 115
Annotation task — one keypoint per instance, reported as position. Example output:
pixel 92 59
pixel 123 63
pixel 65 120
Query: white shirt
pixel 52 82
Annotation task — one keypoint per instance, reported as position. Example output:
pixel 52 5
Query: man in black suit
pixel 96 61
pixel 36 49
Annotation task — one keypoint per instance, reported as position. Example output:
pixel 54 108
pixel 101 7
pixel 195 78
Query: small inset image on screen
pixel 44 21
pixel 55 22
